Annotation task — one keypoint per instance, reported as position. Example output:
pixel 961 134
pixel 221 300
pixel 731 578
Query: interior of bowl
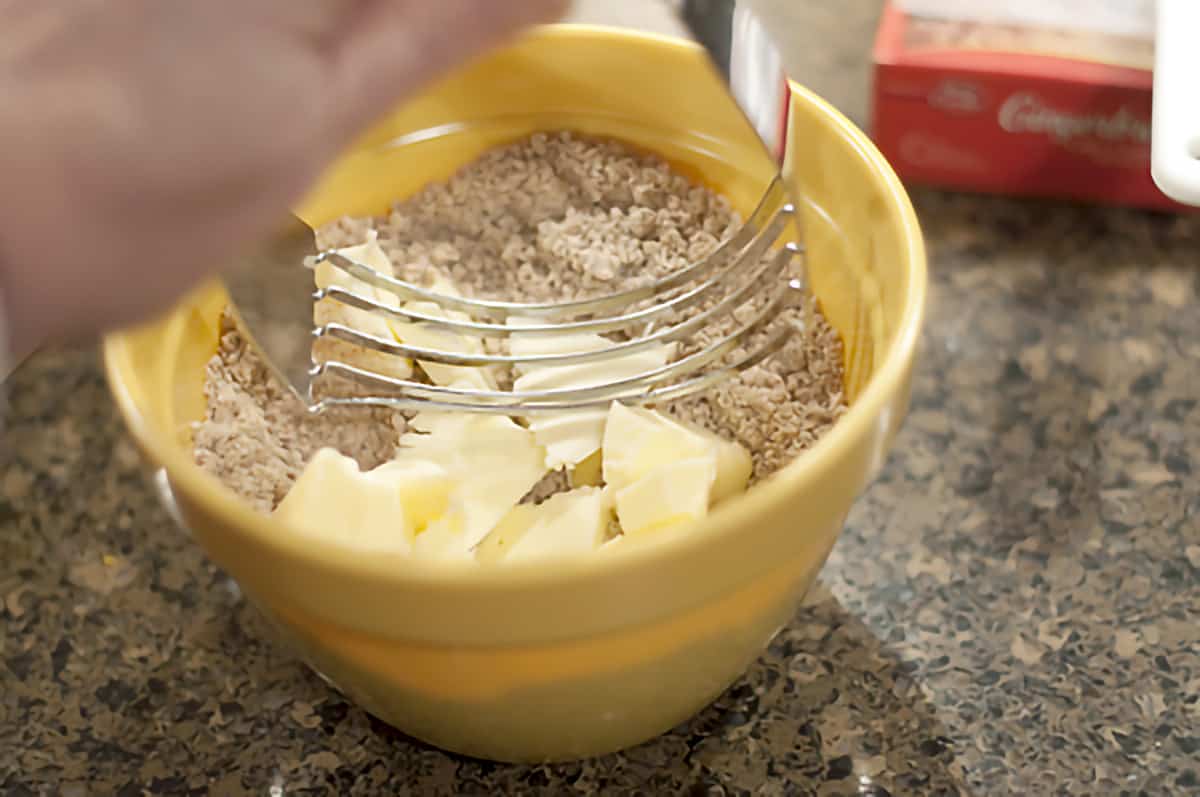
pixel 865 258
pixel 378 173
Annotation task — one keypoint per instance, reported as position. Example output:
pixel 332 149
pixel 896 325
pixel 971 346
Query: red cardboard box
pixel 1017 110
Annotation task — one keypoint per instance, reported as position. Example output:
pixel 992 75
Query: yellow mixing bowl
pixel 529 663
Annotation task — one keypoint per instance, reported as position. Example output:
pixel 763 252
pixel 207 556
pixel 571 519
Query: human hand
pixel 145 142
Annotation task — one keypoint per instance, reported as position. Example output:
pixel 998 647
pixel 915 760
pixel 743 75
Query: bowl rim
pixel 801 474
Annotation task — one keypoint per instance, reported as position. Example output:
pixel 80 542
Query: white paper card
pixel 1113 17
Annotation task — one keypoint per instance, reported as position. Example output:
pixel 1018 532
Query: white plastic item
pixel 1134 18
pixel 1175 142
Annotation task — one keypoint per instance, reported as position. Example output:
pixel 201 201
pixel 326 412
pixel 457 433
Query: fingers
pixel 400 45
pixel 320 21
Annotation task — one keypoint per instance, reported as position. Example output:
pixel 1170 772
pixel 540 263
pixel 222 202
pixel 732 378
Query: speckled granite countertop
pixel 1013 609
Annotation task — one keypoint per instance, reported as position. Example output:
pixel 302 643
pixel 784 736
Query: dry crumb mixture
pixel 257 438
pixel 568 217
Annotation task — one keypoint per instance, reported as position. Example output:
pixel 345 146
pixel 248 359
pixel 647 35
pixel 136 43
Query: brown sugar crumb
pixel 781 407
pixel 568 217
pixel 554 217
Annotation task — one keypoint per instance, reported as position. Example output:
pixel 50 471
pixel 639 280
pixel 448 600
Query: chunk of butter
pixel 494 463
pixel 427 336
pixel 664 473
pixel 566 524
pixel 496 545
pixel 379 510
pixel 424 486
pixel 667 496
pixel 734 465
pixel 572 436
pixel 326 275
pixel 329 311
pixel 638 440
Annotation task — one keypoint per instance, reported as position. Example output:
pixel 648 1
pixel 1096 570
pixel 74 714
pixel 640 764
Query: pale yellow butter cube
pixel 425 488
pixel 669 496
pixel 572 436
pixel 329 311
pixel 734 465
pixel 424 335
pixel 494 463
pixel 565 524
pixel 496 545
pixel 638 441
pixel 334 500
